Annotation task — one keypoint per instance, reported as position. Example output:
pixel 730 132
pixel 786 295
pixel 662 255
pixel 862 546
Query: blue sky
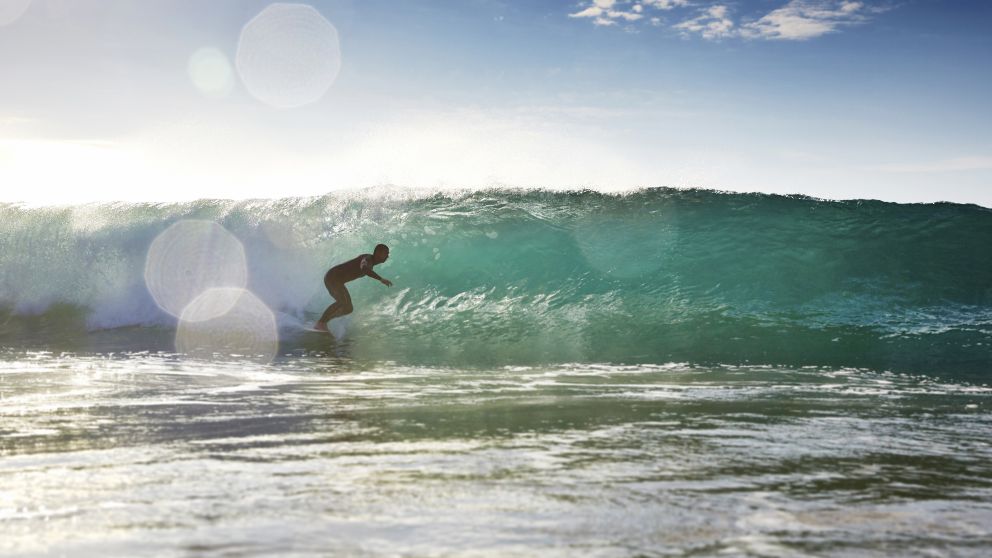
pixel 155 99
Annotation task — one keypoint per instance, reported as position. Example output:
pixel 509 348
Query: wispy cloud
pixel 795 20
pixel 713 23
pixel 806 19
pixel 610 12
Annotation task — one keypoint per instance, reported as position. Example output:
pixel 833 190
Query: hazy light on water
pixel 190 257
pixel 211 73
pixel 228 321
pixel 12 10
pixel 288 55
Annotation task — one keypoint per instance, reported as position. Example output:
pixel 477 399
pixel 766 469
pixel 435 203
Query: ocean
pixel 659 372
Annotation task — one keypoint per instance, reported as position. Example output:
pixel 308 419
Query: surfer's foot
pixel 320 326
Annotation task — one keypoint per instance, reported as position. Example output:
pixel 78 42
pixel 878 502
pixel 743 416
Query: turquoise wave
pixel 522 276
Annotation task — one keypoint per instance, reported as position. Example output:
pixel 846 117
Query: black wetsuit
pixel 337 276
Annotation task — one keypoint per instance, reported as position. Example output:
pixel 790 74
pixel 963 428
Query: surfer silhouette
pixel 337 276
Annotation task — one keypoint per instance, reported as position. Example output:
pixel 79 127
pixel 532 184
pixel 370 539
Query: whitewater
pixel 656 372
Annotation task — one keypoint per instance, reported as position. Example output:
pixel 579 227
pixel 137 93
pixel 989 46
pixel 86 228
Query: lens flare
pixel 12 10
pixel 288 55
pixel 228 322
pixel 190 257
pixel 211 73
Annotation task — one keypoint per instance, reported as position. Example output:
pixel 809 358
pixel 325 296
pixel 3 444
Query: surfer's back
pixel 351 269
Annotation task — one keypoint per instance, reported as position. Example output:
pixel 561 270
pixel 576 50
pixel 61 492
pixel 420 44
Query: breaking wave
pixel 519 276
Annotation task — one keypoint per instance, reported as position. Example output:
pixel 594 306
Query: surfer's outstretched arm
pixel 368 271
pixel 375 276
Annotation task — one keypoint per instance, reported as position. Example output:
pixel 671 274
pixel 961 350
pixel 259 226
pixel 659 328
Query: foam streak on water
pixel 148 454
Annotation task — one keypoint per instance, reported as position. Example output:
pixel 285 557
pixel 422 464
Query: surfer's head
pixel 381 253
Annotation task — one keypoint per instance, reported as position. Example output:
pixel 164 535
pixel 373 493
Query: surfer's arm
pixel 368 271
pixel 376 276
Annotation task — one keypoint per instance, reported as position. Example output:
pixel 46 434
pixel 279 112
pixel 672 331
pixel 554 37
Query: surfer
pixel 337 276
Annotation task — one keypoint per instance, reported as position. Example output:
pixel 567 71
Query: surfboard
pixel 304 323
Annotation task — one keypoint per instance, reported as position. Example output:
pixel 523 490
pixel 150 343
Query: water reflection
pixel 154 452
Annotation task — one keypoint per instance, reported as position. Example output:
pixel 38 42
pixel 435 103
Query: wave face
pixel 508 276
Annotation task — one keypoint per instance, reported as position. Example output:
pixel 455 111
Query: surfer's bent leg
pixel 342 302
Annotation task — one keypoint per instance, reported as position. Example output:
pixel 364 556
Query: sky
pixel 168 100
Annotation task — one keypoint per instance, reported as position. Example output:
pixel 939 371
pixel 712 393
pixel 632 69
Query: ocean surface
pixel 663 372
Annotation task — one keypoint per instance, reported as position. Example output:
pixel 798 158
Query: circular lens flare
pixel 288 55
pixel 211 73
pixel 190 257
pixel 228 323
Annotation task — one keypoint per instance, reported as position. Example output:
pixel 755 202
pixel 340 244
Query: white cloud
pixel 597 13
pixel 794 20
pixel 591 11
pixel 629 16
pixel 610 12
pixel 806 19
pixel 713 23
pixel 665 4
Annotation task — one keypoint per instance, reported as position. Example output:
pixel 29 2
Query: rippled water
pixel 148 454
